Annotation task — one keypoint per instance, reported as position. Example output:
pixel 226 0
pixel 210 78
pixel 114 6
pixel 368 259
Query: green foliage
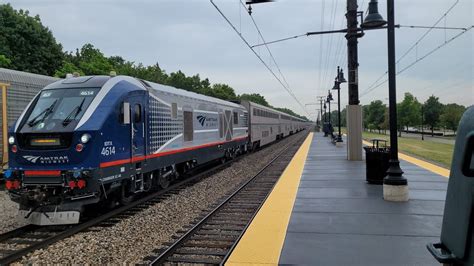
pixel 4 61
pixel 254 97
pixel 221 91
pixel 67 67
pixel 432 110
pixel 409 111
pixel 375 115
pixel 386 119
pixel 451 116
pixel 27 44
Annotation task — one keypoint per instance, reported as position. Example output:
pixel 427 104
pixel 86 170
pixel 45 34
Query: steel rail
pixel 162 258
pixel 96 221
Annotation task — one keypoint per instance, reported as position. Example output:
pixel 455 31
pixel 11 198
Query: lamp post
pixel 329 99
pixel 337 86
pixel 325 120
pixel 395 186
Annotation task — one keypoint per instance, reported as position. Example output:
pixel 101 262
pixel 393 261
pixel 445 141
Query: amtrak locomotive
pixel 92 139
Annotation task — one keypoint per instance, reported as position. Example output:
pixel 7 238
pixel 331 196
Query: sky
pixel 192 36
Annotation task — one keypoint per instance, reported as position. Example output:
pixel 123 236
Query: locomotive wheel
pixel 125 196
pixel 148 182
pixel 164 182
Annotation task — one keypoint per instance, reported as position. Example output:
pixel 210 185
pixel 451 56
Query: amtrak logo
pixel 201 119
pixel 30 158
pixel 46 159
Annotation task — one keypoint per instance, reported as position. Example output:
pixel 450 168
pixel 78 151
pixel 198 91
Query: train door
pixel 137 127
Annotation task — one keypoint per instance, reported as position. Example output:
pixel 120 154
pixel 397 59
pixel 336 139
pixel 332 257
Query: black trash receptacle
pixel 377 161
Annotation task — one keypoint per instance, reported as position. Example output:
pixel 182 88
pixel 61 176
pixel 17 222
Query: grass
pixel 438 153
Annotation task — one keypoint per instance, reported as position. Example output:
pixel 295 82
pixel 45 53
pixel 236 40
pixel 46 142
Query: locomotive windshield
pixel 56 109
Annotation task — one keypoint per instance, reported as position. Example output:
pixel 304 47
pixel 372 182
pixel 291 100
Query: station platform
pixel 322 212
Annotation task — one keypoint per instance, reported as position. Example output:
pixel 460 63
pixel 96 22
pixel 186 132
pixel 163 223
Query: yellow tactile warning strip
pixel 423 164
pixel 263 240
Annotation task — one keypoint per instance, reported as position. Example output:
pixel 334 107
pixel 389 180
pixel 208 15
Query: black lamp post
pixel 325 124
pixel 398 190
pixel 337 86
pixel 329 99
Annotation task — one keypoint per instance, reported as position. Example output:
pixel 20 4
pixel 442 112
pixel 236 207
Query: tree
pixel 451 116
pixel 375 116
pixel 222 91
pixel 365 118
pixel 27 45
pixel 254 97
pixel 386 120
pixel 432 111
pixel 408 112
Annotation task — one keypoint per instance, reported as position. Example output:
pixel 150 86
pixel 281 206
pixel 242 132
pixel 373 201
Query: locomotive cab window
pixel 236 118
pixel 124 116
pixel 58 108
pixel 137 113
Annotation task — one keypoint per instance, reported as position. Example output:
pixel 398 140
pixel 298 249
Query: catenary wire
pixel 258 56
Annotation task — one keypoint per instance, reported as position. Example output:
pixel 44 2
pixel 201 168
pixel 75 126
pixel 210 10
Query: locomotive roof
pixel 99 81
pixel 79 82
pixel 185 93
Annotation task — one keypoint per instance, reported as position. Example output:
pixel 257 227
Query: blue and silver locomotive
pixel 90 139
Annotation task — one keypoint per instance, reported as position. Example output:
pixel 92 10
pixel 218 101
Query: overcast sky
pixel 190 35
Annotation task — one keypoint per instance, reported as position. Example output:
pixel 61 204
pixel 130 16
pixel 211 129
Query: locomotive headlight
pixel 85 138
pixel 11 140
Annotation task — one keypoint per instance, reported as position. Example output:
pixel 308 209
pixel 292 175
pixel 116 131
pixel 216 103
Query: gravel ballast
pixel 133 238
pixel 8 213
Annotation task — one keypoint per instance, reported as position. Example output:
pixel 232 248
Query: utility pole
pixel 354 110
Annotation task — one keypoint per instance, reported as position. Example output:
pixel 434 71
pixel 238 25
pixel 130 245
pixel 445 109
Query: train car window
pixel 188 125
pixel 468 164
pixel 174 110
pixel 254 112
pixel 221 125
pixel 236 118
pixel 137 113
pixel 121 113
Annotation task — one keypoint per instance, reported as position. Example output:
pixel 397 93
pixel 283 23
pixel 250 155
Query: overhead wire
pixel 416 61
pixel 266 46
pixel 329 47
pixel 258 56
pixel 414 45
pixel 321 46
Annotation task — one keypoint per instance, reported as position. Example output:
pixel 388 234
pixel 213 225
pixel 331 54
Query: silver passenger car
pixel 267 124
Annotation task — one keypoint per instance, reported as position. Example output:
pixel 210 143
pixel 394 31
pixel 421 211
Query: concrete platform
pixel 337 218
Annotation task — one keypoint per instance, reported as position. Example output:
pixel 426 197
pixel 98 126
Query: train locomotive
pixel 93 139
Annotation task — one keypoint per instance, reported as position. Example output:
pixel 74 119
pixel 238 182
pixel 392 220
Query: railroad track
pixel 21 241
pixel 212 239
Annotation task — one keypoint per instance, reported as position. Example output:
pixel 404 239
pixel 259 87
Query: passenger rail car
pixel 267 124
pixel 101 139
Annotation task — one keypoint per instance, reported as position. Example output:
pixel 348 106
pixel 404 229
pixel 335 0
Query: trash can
pixel 377 161
pixel 457 233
